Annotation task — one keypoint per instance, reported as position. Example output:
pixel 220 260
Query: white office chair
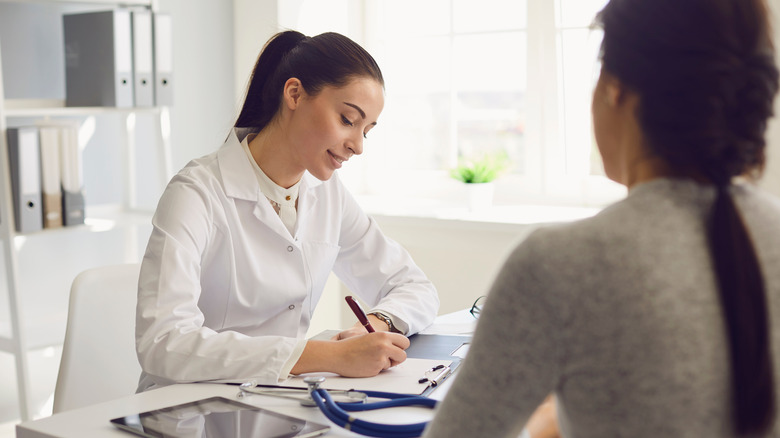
pixel 98 357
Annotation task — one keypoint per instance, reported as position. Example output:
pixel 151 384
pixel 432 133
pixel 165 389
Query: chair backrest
pixel 98 357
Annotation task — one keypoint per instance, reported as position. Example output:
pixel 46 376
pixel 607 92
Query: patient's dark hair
pixel 706 76
pixel 328 59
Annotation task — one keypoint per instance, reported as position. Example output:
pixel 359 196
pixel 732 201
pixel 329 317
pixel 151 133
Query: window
pixel 577 54
pixel 464 78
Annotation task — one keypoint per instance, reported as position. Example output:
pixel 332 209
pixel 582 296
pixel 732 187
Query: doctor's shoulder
pixel 199 179
pixel 202 169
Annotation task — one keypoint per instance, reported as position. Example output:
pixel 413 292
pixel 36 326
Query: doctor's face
pixel 329 128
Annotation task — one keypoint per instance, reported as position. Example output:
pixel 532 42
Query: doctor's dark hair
pixel 328 59
pixel 706 78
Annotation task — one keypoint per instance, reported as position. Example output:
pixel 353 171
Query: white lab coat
pixel 226 292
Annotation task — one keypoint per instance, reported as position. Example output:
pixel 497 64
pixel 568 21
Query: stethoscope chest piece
pixel 314 382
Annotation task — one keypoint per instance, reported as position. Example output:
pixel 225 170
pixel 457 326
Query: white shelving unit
pixel 25 332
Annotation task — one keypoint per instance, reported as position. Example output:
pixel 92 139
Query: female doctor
pixel 245 238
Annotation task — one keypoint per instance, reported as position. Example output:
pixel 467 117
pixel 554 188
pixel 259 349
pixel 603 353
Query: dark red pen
pixel 361 315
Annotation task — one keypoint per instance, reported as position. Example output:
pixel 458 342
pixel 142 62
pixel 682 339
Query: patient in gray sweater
pixel 660 316
pixel 618 315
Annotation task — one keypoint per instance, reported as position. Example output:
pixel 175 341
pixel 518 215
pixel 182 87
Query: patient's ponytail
pixel 744 305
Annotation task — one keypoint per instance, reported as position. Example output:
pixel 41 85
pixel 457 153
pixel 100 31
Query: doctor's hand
pixel 358 328
pixel 358 356
pixel 370 353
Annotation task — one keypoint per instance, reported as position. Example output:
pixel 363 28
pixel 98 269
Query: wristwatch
pixel 386 319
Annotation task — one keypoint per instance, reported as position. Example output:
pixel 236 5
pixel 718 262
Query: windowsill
pixel 424 194
pixel 419 208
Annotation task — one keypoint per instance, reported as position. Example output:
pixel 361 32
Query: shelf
pixel 55 107
pixel 98 219
pixel 39 267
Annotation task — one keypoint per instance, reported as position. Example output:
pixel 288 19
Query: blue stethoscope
pixel 355 401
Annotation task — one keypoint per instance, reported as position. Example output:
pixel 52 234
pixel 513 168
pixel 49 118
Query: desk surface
pixel 93 421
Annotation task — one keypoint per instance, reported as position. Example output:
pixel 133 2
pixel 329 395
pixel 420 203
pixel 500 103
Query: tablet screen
pixel 217 417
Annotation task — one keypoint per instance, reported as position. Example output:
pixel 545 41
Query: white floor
pixel 43 365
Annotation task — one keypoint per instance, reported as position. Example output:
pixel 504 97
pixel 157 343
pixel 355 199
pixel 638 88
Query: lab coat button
pixel 291 306
pixel 290 248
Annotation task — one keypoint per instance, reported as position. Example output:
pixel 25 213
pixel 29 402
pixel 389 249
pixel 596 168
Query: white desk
pixel 93 421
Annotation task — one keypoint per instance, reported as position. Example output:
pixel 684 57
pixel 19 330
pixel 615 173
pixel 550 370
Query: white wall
pixel 254 22
pixel 461 258
pixel 204 105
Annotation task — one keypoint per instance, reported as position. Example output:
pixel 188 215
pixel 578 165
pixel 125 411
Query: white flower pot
pixel 479 195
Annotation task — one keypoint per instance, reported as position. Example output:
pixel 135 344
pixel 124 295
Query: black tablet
pixel 217 417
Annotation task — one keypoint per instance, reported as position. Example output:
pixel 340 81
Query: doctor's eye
pixel 346 121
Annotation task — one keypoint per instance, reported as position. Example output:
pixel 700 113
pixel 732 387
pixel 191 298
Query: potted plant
pixel 478 174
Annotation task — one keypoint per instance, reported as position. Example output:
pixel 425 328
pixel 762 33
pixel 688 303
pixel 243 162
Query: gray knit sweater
pixel 619 316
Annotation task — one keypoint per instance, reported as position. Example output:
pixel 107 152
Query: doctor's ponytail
pixel 328 59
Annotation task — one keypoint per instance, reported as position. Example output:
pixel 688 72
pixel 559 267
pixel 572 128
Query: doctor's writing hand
pixel 370 353
pixel 358 356
pixel 358 328
pixel 351 332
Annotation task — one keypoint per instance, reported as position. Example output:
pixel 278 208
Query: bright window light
pixel 465 78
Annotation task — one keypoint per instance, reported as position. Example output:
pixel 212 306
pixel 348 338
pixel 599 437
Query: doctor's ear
pixel 292 93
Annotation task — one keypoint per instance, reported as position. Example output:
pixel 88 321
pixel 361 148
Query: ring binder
pixel 143 82
pixel 98 59
pixel 24 158
pixel 163 60
pixel 51 181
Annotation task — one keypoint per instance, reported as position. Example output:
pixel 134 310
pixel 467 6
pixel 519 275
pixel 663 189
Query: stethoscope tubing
pixel 336 412
pixel 394 400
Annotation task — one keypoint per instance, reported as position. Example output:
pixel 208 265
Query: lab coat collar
pixel 238 177
pixel 240 182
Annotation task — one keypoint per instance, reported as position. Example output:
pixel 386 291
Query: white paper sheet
pixel 403 378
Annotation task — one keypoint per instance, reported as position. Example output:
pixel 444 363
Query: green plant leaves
pixel 484 169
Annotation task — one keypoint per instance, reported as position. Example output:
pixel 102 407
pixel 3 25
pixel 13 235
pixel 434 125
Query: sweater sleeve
pixel 513 362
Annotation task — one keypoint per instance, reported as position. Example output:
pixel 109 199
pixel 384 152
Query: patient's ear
pixel 614 90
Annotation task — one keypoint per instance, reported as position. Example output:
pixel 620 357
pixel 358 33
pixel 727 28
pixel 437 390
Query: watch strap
pixel 387 320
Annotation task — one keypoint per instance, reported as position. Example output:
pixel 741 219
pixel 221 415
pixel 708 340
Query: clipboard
pixel 438 347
